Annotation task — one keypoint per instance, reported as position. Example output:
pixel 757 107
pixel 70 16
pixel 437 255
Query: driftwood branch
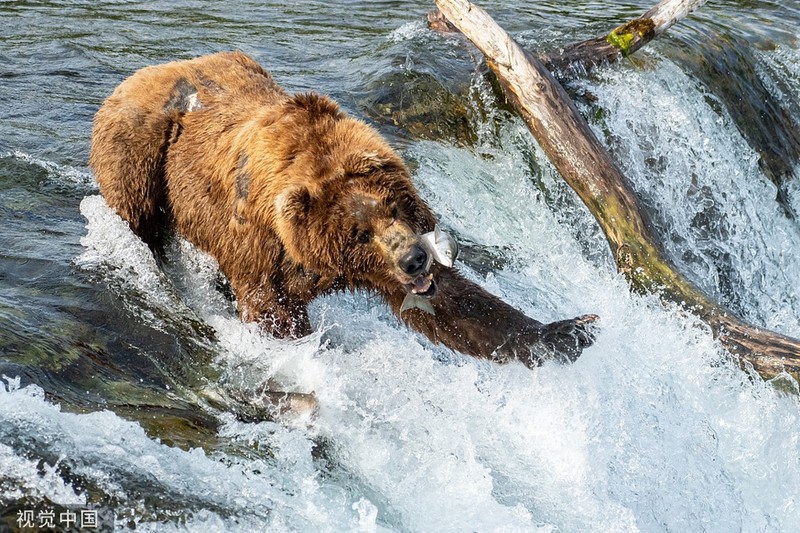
pixel 622 41
pixel 587 167
pixel 761 120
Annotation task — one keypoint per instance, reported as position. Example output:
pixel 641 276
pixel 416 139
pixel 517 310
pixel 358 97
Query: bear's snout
pixel 409 259
pixel 415 261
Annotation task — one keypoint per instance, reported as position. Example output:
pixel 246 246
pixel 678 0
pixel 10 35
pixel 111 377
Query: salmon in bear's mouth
pixel 442 248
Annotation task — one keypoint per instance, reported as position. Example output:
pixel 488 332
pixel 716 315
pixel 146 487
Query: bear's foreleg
pixel 472 321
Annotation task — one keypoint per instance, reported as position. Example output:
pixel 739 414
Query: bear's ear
pixel 293 204
pixel 316 105
pixel 361 163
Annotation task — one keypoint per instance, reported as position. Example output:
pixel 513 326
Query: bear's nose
pixel 413 263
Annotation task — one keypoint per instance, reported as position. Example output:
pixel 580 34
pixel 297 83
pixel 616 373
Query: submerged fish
pixel 442 248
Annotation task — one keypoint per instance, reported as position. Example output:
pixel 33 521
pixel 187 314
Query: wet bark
pixel 587 167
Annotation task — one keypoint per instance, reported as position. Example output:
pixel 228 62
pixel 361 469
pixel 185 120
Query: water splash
pixel 653 429
pixel 713 207
pixel 149 478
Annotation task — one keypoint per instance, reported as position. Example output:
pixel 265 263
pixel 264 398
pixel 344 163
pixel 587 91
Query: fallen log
pixel 622 41
pixel 761 119
pixel 587 167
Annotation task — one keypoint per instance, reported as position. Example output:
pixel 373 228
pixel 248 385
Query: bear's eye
pixel 364 236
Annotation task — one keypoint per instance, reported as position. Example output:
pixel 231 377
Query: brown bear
pixel 294 199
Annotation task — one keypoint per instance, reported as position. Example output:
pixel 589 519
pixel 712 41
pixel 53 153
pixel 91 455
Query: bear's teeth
pixel 422 284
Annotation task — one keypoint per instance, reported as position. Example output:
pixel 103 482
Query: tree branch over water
pixel 622 41
pixel 761 120
pixel 587 167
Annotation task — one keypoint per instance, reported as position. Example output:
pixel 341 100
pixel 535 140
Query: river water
pixel 120 379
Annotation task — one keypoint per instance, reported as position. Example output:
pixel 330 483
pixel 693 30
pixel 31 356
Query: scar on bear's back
pixel 183 98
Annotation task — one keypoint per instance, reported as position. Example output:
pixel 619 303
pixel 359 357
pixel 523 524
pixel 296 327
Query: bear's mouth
pixel 423 285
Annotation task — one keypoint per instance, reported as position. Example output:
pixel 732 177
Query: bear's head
pixel 361 224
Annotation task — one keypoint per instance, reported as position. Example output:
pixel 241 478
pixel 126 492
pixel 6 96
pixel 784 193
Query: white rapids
pixel 652 429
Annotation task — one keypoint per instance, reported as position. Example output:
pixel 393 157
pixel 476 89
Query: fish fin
pixel 425 305
pixel 412 300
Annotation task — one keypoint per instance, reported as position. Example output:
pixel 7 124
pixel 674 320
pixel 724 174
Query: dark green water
pixel 128 379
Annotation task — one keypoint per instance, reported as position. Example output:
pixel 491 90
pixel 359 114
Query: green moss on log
pixel 629 37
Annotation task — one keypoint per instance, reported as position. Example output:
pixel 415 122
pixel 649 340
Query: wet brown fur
pixel 293 198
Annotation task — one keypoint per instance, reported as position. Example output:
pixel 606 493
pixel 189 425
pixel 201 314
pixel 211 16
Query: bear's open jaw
pixel 422 286
pixel 443 249
pixel 419 293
